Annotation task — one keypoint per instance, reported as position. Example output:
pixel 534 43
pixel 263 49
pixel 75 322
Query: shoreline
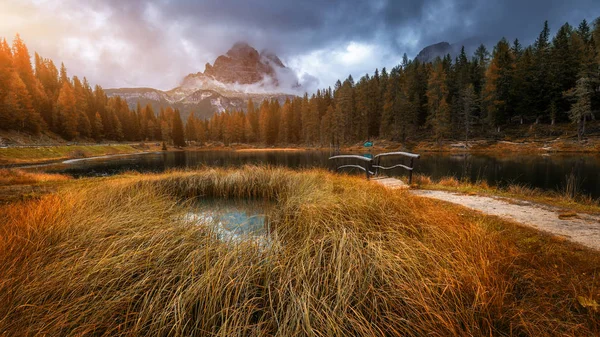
pixel 479 147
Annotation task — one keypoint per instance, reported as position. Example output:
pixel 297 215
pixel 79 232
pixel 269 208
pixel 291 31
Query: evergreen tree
pixel 264 121
pixel 498 80
pixel 364 108
pixel 326 132
pixel 249 133
pixel 66 112
pixel 84 128
pixel 376 106
pixel 273 125
pixel 307 119
pixel 63 75
pixel 342 125
pixel 584 31
pixel 21 61
pixel 469 104
pixel 439 111
pixel 98 130
pixel 517 49
pixel 284 123
pixel 6 78
pixel 542 81
pixel 150 124
pixel 564 67
pixel 190 128
pixel 582 108
pixel 18 103
pixel 523 88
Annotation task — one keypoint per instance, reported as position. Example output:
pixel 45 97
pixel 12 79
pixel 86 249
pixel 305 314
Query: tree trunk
pixel 552 121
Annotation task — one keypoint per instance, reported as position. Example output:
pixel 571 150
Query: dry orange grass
pixel 421 180
pixel 449 182
pixel 347 258
pixel 20 177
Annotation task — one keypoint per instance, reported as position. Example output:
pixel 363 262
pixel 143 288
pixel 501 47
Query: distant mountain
pixel 241 74
pixel 430 53
pixel 242 65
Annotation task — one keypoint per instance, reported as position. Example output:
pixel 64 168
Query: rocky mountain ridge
pixel 234 78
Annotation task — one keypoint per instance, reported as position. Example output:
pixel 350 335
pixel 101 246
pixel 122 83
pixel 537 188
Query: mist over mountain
pixel 234 78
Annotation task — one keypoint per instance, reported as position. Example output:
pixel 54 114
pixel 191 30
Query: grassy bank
pixel 33 155
pixel 496 147
pixel 9 177
pixel 18 185
pixel 569 199
pixel 117 257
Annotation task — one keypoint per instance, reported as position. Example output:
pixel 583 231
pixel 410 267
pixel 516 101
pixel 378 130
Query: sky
pixel 155 43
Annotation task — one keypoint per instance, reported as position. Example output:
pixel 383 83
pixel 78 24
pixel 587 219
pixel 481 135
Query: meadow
pixel 117 257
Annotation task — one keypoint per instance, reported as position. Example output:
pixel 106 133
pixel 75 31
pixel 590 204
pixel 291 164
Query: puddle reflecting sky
pixel 233 220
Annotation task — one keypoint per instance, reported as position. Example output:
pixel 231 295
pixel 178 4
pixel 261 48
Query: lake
pixel 535 170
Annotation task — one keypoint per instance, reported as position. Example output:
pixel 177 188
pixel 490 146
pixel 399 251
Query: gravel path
pixel 583 229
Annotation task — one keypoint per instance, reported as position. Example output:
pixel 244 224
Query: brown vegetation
pixel 346 258
pixel 20 177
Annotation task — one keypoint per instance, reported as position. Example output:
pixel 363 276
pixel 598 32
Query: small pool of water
pixel 233 220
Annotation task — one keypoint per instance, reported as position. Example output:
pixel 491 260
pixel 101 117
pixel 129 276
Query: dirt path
pixel 583 228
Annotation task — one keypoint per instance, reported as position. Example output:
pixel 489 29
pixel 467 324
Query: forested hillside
pixel 554 80
pixel 43 98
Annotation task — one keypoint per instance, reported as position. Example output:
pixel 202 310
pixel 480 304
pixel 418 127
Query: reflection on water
pixel 535 170
pixel 548 172
pixel 233 220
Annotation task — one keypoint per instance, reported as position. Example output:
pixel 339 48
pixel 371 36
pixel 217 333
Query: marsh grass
pixel 348 258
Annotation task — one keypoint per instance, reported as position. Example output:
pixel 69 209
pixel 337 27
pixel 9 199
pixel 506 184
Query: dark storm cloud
pixel 157 42
pixel 296 26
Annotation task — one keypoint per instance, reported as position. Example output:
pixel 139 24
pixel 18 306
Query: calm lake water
pixel 535 170
pixel 233 220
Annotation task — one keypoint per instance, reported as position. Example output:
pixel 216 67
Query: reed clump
pixel 347 258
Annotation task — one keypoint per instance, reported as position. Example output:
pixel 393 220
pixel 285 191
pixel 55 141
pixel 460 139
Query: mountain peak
pixel 242 50
pixel 244 68
pixel 429 53
pixel 270 57
pixel 227 84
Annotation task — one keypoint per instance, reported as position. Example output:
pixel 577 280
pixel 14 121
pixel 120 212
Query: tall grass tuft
pixel 348 258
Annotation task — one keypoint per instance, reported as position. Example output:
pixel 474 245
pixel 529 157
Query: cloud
pixel 155 43
pixel 327 65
